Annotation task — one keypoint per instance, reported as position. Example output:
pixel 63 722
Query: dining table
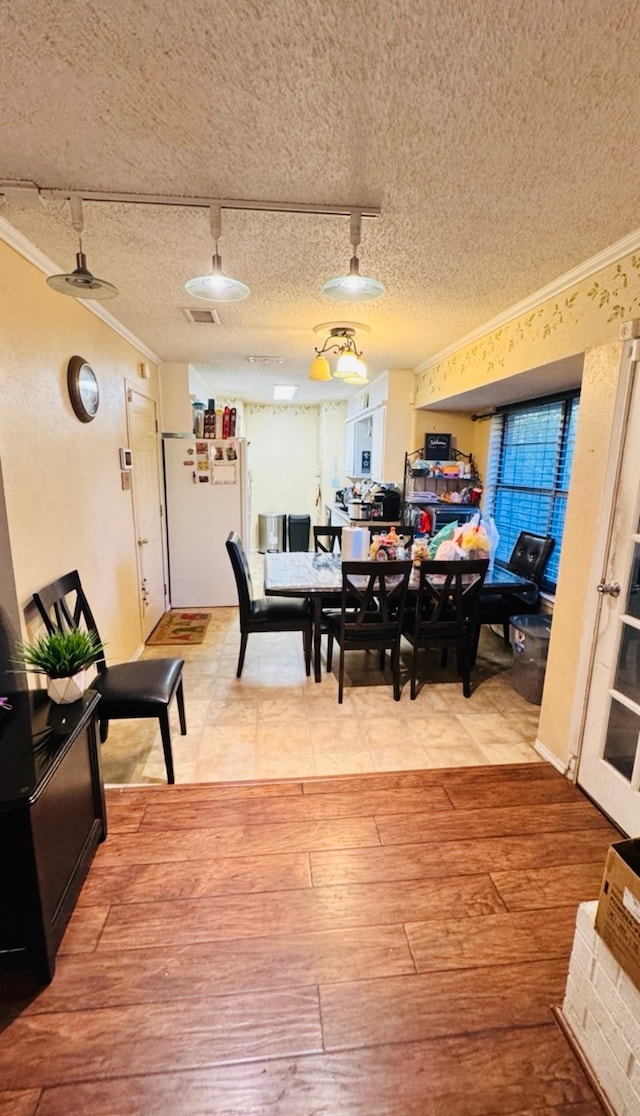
pixel 318 578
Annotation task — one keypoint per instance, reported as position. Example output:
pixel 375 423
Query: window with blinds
pixel 528 473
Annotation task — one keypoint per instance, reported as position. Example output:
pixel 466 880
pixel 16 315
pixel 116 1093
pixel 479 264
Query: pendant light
pixel 80 283
pixel 353 287
pixel 217 287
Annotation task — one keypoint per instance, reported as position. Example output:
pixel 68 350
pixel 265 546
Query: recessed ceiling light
pixel 265 360
pixel 284 392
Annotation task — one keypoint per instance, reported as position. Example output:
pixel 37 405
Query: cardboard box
pixel 618 914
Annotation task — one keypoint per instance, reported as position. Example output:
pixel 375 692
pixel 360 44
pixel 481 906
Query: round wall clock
pixel 83 389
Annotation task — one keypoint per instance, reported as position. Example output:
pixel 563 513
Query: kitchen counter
pixel 338 517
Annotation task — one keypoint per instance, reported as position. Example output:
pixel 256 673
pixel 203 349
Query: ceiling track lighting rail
pixel 215 286
pixel 195 202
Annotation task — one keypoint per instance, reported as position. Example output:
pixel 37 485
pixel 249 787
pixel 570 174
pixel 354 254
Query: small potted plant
pixel 63 657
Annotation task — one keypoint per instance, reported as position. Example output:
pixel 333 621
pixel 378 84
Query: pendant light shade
pixel 353 287
pixel 80 283
pixel 217 287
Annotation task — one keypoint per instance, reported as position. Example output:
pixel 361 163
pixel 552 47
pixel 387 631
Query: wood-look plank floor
pixel 362 946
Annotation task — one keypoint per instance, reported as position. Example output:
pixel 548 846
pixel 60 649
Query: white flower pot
pixel 64 691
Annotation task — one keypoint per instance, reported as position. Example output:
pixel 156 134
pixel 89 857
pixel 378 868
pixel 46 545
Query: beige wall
pixel 283 459
pixel 583 525
pixel 64 502
pixel 585 317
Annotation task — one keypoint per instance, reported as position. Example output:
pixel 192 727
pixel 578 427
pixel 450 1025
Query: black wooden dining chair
pixel 265 614
pixel 327 540
pixel 405 534
pixel 140 689
pixel 371 614
pixel 446 614
pixel 528 558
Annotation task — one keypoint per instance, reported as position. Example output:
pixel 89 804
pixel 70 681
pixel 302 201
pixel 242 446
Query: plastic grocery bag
pixel 479 538
pixel 443 535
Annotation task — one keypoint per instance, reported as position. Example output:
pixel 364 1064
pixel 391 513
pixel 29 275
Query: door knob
pixel 609 587
pixel 142 542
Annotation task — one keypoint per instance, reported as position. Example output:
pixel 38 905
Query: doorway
pixel 609 767
pixel 147 507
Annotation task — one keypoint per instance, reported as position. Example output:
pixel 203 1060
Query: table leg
pixel 317 635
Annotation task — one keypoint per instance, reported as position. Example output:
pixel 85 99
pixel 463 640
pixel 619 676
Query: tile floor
pixel 275 722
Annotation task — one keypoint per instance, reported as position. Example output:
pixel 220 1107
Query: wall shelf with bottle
pixel 446 489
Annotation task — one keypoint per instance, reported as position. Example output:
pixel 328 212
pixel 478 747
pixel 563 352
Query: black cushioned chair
pixel 371 614
pixel 144 688
pixel 266 614
pixel 446 614
pixel 528 558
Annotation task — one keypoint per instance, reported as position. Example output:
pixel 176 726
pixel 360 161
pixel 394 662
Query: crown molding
pixel 571 278
pixel 15 239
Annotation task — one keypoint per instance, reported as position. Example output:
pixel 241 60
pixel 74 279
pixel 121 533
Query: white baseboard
pixel 551 758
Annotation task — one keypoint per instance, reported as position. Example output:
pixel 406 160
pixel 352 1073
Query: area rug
pixel 178 626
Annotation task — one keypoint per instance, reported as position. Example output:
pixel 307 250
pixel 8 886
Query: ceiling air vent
pixel 201 317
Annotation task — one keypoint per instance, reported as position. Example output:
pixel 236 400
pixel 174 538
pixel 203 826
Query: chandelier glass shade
pixel 320 369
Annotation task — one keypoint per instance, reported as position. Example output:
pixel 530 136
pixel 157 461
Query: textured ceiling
pixel 496 136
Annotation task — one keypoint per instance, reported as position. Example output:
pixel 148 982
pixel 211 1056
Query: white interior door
pixel 147 503
pixel 609 768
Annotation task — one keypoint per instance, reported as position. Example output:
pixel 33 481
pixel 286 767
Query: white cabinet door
pixel 378 422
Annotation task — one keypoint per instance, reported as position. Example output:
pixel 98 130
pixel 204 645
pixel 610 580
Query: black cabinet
pixel 52 816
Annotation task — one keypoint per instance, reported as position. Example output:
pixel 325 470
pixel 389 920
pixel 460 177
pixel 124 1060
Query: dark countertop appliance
pixel 391 503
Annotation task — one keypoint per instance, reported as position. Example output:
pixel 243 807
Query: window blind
pixel 529 471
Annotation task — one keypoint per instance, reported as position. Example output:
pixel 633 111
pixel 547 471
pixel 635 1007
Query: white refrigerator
pixel 207 495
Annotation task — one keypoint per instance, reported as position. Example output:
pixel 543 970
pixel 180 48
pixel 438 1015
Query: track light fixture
pixel 217 287
pixel 350 367
pixel 353 287
pixel 80 283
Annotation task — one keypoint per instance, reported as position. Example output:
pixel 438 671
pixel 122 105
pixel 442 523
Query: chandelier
pixel 350 366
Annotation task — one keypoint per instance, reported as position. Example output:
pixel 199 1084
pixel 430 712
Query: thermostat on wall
pixel 126 459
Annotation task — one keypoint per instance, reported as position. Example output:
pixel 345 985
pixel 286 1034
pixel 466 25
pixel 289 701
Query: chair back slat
pixel 448 595
pixel 63 606
pixel 373 597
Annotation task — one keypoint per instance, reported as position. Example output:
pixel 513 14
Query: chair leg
pixel 395 662
pixel 104 731
pixel 181 714
pixel 306 643
pixel 166 744
pixel 341 675
pixel 329 652
pixel 414 671
pixel 476 640
pixel 464 669
pixel 243 648
pixel 505 632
